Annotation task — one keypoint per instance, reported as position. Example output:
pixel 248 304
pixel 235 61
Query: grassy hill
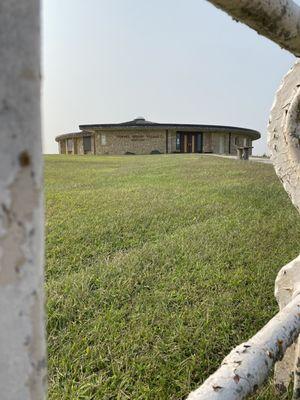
pixel 156 267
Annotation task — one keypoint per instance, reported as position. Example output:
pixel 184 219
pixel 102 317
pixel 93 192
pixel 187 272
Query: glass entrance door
pixel 190 142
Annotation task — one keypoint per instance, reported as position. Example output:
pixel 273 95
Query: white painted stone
pixel 286 287
pixel 283 141
pixel 284 130
pixel 249 364
pixel 22 343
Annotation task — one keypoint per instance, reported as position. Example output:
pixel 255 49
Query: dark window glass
pixel 87 143
pixel 199 142
pixel 177 141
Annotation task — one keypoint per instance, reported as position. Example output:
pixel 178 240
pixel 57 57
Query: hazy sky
pixel 167 60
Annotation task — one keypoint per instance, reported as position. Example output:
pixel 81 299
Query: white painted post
pixel 284 134
pixel 278 20
pixel 22 343
pixel 286 286
pixel 296 371
pixel 241 373
pixel 248 365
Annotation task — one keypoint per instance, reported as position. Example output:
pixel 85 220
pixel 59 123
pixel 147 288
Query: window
pixel 177 141
pixel 103 139
pixel 87 144
pixel 199 142
pixel 69 146
pixel 222 144
pixel 237 141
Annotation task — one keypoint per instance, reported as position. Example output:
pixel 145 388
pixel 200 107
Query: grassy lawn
pixel 156 267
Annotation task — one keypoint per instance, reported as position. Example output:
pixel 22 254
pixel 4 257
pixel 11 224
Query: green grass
pixel 156 267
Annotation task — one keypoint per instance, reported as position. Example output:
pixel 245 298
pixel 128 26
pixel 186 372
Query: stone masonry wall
pixel 139 142
pixel 77 147
pixel 207 142
pixel 136 142
pixel 79 142
pixel 62 147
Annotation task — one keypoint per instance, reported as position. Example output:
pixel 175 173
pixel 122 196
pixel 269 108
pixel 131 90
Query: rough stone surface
pixel 244 370
pixel 148 141
pixel 22 344
pixel 284 134
pixel 249 364
pixel 286 286
pixel 137 142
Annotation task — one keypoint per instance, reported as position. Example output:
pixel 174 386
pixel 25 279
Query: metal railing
pixel 249 365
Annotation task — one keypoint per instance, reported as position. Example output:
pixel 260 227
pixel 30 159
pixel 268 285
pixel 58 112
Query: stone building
pixel 144 137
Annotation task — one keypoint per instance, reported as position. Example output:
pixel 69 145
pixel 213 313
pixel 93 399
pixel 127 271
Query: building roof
pixel 71 135
pixel 142 122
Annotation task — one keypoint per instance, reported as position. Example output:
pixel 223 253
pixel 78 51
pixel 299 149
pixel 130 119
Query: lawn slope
pixel 156 267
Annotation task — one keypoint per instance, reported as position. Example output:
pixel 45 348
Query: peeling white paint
pixel 284 145
pixel 283 134
pixel 22 342
pixel 286 287
pixel 249 364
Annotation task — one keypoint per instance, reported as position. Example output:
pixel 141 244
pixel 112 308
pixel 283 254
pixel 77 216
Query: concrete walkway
pixel 255 159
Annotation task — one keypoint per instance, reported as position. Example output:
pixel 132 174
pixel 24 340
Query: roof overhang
pixel 141 123
pixel 178 127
